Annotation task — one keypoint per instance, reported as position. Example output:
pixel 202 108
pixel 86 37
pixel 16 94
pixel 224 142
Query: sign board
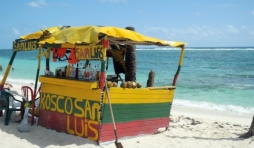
pixel 25 45
pixel 89 52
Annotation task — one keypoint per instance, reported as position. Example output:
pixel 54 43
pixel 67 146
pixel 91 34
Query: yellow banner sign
pixel 87 52
pixel 25 45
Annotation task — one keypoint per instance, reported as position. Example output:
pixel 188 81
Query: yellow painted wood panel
pixel 139 96
pixel 69 82
pixel 78 93
pixel 118 95
pixel 139 90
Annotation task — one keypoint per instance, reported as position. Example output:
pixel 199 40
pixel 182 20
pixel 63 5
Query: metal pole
pixel 36 81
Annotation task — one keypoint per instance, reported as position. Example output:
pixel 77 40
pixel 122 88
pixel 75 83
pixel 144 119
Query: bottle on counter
pixel 59 72
pixel 98 72
pixel 76 72
pixel 56 72
pixel 84 74
pixel 81 72
pixel 68 71
pixel 91 73
pixel 65 71
pixel 88 71
pixel 72 71
pixel 94 72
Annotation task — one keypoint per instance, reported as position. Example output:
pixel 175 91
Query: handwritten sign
pixel 86 52
pixel 25 45
pixel 83 116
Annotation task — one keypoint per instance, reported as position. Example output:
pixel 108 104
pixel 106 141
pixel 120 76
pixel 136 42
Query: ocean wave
pixel 161 48
pixel 243 86
pixel 207 48
pixel 186 48
pixel 18 81
pixel 212 106
pixel 199 48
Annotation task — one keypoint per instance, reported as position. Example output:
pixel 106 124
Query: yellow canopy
pixel 92 34
pixel 38 34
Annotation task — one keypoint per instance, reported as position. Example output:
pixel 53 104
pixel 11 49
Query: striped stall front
pixel 136 111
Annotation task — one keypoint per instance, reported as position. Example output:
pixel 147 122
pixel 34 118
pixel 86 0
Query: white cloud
pixel 15 31
pixel 42 2
pixel 155 29
pixel 37 3
pixel 200 33
pixel 191 33
pixel 244 27
pixel 252 13
pixel 231 29
pixel 33 4
pixel 204 35
pixel 251 32
pixel 114 1
pixel 197 14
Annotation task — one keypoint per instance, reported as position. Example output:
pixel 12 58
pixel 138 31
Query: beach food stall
pixel 81 98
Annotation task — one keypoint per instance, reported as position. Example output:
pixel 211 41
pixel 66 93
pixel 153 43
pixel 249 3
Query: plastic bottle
pixel 94 72
pixel 65 71
pixel 88 71
pixel 77 72
pixel 59 72
pixel 72 71
pixel 56 72
pixel 68 70
pixel 85 74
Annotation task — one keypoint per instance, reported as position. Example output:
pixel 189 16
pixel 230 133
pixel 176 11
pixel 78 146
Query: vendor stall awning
pixel 93 34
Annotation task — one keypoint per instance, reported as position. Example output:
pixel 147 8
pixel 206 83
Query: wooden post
pixel 47 59
pixel 250 132
pixel 150 81
pixel 36 82
pixel 130 60
pixel 5 75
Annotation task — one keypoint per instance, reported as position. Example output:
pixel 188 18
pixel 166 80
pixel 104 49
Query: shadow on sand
pixel 43 137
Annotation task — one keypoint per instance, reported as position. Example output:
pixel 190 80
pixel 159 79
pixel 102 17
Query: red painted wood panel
pixel 133 128
pixel 53 120
pixel 79 126
pixel 69 124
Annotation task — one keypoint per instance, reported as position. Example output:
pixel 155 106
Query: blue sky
pixel 200 23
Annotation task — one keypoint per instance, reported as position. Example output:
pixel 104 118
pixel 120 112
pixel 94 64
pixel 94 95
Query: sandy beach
pixel 189 127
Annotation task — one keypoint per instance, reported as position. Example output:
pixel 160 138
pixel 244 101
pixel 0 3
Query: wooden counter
pixel 70 106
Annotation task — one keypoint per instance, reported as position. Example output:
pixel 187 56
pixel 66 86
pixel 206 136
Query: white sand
pixel 189 127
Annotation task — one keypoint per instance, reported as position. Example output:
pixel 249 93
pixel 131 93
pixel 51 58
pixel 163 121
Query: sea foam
pixel 213 106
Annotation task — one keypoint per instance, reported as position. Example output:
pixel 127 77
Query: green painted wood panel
pixel 131 112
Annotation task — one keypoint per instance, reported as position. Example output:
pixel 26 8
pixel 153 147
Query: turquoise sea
pixel 210 78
